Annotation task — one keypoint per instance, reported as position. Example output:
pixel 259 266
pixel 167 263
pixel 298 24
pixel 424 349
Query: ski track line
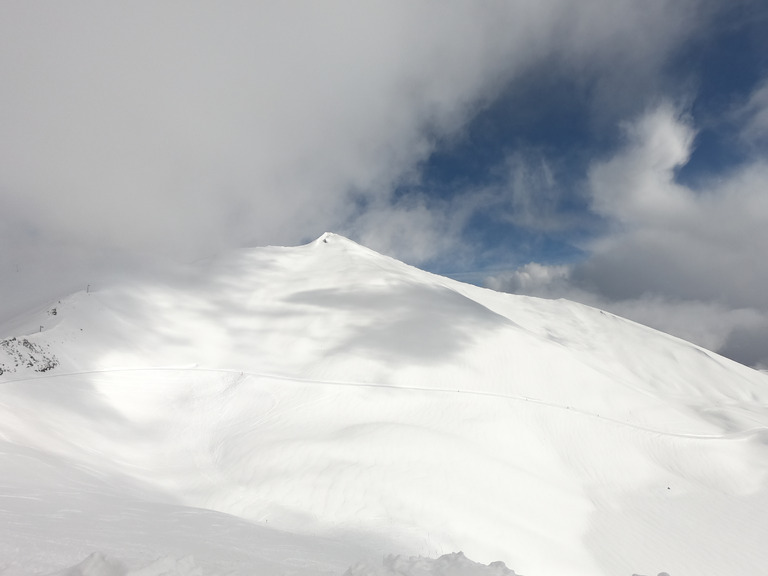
pixel 296 379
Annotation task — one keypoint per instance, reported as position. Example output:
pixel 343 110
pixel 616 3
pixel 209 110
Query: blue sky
pixel 549 114
pixel 611 152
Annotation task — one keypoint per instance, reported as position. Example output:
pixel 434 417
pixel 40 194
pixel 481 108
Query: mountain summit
pixel 328 404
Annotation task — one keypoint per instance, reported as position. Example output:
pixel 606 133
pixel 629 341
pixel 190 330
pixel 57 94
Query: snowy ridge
pixel 333 406
pixel 455 564
pixel 21 354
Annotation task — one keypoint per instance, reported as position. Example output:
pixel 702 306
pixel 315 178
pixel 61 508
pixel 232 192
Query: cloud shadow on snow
pixel 423 324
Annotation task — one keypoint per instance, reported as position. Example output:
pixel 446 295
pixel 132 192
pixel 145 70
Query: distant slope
pixel 333 392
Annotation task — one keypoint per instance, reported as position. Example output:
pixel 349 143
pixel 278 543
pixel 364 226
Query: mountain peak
pixel 325 237
pixel 344 245
pixel 333 238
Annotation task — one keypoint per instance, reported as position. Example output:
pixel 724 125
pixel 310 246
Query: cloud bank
pixel 185 126
pixel 134 134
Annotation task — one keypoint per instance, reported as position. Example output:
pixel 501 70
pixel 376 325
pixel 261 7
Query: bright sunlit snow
pixel 317 409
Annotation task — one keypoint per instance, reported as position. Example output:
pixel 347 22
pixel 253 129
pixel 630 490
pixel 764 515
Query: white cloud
pixel 131 130
pixel 706 244
pixel 637 185
pixel 533 278
pixel 187 124
pixel 754 115
pixel 708 324
pixel 740 333
pixel 689 262
pixel 530 195
pixel 415 228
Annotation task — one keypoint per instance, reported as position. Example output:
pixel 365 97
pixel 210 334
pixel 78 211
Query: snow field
pixel 306 410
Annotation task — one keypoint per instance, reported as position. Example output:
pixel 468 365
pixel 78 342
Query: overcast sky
pixel 609 151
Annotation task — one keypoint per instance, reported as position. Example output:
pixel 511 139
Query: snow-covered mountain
pixel 308 410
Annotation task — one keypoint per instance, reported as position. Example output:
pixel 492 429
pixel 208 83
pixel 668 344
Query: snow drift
pixel 303 410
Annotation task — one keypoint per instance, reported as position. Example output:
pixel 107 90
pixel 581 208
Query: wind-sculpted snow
pixel 454 564
pixel 307 410
pixel 98 564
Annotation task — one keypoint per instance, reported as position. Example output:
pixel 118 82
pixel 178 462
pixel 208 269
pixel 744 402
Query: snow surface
pixel 312 410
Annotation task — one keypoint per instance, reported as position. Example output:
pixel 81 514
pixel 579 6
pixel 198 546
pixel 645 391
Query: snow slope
pixel 303 410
